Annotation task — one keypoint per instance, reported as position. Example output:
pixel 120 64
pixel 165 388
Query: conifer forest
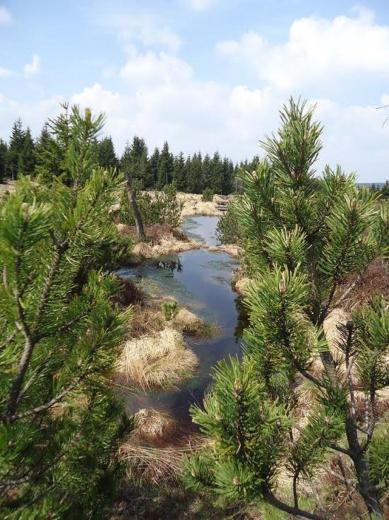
pixel 198 334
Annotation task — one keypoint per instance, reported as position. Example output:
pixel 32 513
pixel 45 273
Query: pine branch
pixel 274 501
pixel 52 402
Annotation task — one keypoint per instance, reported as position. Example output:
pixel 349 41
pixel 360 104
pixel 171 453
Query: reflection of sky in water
pixel 202 284
pixel 202 228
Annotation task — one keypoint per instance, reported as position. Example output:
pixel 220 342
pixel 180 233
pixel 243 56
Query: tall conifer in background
pixel 15 149
pixel 3 160
pixel 106 153
pixel 303 238
pixel 165 167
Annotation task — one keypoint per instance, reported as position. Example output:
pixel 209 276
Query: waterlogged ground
pixel 201 281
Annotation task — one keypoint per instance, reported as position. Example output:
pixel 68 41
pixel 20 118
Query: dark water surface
pixel 201 281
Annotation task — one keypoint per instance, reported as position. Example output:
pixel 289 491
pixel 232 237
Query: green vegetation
pixel 227 228
pixel 60 423
pixel 158 208
pixel 207 195
pixel 303 237
pixel 273 419
pixel 44 159
pixel 169 309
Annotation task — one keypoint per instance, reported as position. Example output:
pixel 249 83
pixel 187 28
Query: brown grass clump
pixel 191 324
pixel 147 319
pixel 155 447
pixel 156 361
pixel 129 294
pixel 374 282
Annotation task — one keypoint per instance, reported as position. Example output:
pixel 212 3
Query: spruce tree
pixel 153 165
pixel 27 154
pixel 3 160
pixel 217 173
pixel 165 167
pixel 135 162
pixel 15 149
pixel 59 420
pixel 179 172
pixel 106 153
pixel 52 149
pixel 303 237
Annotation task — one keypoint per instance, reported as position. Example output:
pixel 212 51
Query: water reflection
pixel 201 281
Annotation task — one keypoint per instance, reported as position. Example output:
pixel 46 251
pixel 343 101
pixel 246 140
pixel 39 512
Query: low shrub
pixel 158 208
pixel 169 309
pixel 227 230
pixel 207 195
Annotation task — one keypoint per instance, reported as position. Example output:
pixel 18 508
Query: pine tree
pixel 53 152
pixel 216 173
pixel 165 167
pixel 106 153
pixel 15 149
pixel 3 160
pixel 303 237
pixel 194 174
pixel 135 162
pixel 60 422
pixel 179 172
pixel 48 157
pixel 228 177
pixel 153 165
pixel 27 154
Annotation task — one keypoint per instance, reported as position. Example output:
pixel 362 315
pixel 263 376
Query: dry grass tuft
pixel 374 282
pixel 156 361
pixel 129 294
pixel 190 324
pixel 155 448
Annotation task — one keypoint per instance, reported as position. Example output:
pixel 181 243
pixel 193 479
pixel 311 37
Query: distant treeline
pixel 44 158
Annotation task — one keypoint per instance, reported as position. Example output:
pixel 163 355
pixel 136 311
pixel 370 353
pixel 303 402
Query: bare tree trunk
pixel 133 204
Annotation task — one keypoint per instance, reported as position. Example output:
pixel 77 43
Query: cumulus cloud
pixel 153 68
pixel 33 68
pixel 157 95
pixel 318 51
pixel 5 15
pixel 207 116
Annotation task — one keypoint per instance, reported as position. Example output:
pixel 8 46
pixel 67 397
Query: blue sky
pixel 204 74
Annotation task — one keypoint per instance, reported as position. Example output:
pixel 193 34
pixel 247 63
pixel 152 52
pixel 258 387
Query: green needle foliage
pixel 59 421
pixel 303 237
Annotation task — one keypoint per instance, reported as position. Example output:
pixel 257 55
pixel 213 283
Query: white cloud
pixel 5 15
pixel 151 67
pixel 207 116
pixel 159 97
pixel 318 51
pixel 33 114
pixel 147 29
pixel 199 5
pixel 33 68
